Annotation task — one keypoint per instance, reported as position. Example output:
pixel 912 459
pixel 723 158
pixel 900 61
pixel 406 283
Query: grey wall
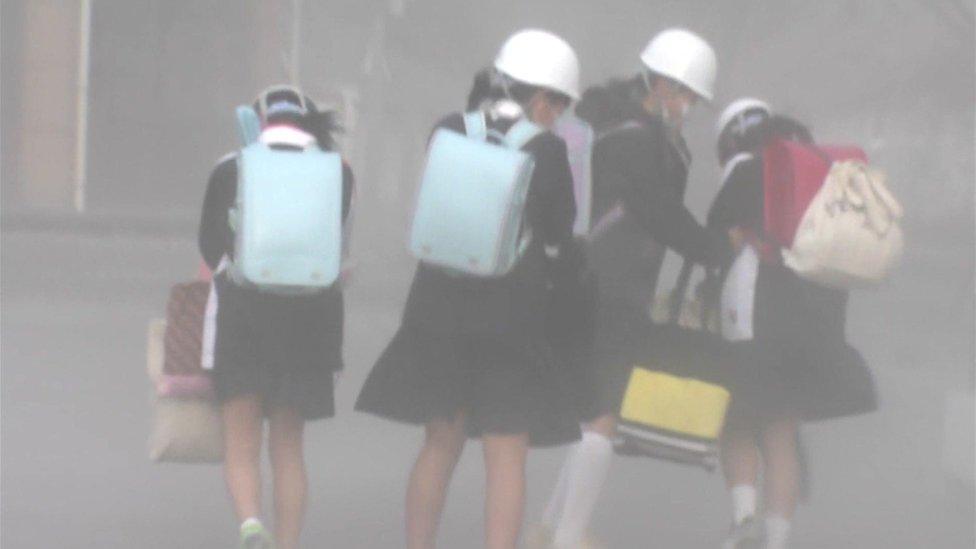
pixel 894 76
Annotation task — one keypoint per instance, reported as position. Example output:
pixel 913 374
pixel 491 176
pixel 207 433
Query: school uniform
pixel 283 348
pixel 787 336
pixel 477 344
pixel 640 172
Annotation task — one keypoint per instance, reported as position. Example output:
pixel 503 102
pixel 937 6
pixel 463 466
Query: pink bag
pixel 578 136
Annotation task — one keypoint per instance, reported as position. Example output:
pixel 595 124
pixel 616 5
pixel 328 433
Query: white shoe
pixel 745 535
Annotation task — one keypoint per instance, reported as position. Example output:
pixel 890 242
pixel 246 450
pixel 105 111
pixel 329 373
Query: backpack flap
pixel 793 174
pixel 471 200
pixel 289 218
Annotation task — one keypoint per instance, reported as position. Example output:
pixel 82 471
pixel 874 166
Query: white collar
pixel 286 135
pixel 732 163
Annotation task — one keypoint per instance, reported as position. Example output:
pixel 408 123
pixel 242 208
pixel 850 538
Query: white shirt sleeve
pixel 739 296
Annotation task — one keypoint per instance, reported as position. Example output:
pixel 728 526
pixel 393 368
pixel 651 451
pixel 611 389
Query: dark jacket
pixel 799 360
pixel 513 305
pixel 640 175
pixel 305 332
pixel 788 309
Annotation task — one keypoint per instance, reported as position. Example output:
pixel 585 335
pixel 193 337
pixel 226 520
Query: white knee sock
pixel 743 502
pixel 550 517
pixel 777 532
pixel 586 475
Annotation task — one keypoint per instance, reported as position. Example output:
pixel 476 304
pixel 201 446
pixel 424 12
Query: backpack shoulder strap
pixel 521 133
pixel 733 163
pixel 475 125
pixel 248 125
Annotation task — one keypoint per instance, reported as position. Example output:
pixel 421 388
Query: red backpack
pixel 793 173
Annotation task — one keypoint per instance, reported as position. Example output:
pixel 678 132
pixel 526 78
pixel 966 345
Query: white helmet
pixel 683 56
pixel 540 58
pixel 739 107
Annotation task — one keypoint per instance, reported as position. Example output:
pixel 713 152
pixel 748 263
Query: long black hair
pixel 752 137
pixel 609 105
pixel 780 126
pixel 323 125
pixel 489 85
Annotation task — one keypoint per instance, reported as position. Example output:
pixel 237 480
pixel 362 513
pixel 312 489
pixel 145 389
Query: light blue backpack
pixel 287 218
pixel 470 207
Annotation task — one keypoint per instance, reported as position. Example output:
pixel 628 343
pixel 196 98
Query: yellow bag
pixel 669 411
pixel 683 406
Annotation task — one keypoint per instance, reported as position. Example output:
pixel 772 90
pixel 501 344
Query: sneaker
pixel 255 536
pixel 745 535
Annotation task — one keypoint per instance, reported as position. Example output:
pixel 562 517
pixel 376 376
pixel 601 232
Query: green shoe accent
pixel 255 536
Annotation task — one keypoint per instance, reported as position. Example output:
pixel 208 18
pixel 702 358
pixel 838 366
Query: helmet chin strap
pixel 646 76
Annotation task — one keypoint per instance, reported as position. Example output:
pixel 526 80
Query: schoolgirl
pixel 470 358
pixel 786 335
pixel 640 169
pixel 274 355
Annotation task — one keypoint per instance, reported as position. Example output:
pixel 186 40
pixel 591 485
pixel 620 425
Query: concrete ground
pixel 75 417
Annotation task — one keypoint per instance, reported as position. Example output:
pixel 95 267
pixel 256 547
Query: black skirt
pixel 625 336
pixel 571 331
pixel 799 363
pixel 504 385
pixel 775 381
pixel 284 349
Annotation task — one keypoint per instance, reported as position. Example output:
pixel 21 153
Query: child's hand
pixel 737 237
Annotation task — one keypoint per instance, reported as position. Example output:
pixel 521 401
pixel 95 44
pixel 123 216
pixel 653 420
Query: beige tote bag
pixel 850 235
pixel 184 430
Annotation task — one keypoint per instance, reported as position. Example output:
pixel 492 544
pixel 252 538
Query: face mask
pixel 679 120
